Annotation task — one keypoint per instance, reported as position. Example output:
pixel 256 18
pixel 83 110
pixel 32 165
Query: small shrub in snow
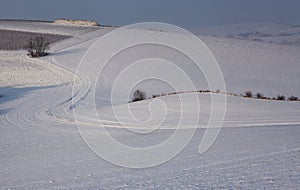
pixel 138 95
pixel 260 96
pixel 293 98
pixel 248 94
pixel 172 93
pixel 204 91
pixel 265 98
pixel 155 96
pixel 280 97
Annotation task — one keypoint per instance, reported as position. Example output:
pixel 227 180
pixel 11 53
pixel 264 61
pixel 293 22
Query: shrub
pixel 37 47
pixel 155 96
pixel 248 94
pixel 293 98
pixel 138 95
pixel 204 91
pixel 280 97
pixel 260 96
pixel 265 98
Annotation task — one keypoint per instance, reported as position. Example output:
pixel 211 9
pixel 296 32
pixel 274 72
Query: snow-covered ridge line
pixel 76 22
pixel 276 33
pixel 258 96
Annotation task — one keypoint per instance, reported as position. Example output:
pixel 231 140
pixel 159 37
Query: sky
pixel 183 13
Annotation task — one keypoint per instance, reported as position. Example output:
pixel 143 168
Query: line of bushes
pixel 139 95
pixel 248 94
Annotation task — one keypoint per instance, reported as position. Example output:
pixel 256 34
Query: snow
pixel 250 61
pixel 17 69
pixel 278 33
pixel 39 152
pixel 76 22
pixel 258 145
pixel 241 112
pixel 259 67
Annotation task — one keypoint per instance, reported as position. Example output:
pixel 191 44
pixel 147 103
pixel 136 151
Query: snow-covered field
pixel 277 33
pixel 259 67
pixel 41 147
pixel 18 70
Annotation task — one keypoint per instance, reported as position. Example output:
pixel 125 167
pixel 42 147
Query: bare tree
pixel 37 47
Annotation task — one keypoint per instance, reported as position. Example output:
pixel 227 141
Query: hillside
pixel 58 133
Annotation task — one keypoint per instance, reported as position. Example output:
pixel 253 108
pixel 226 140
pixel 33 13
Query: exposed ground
pixel 16 40
pixel 45 27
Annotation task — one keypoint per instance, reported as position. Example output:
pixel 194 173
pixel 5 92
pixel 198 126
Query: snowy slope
pixel 266 68
pixel 259 67
pixel 42 152
pixel 258 147
pixel 278 33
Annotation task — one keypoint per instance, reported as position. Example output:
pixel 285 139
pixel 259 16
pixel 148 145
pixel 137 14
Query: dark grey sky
pixel 184 13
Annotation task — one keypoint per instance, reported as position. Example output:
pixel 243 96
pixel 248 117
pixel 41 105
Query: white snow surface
pixel 258 146
pixel 259 67
pixel 279 33
pixel 18 70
